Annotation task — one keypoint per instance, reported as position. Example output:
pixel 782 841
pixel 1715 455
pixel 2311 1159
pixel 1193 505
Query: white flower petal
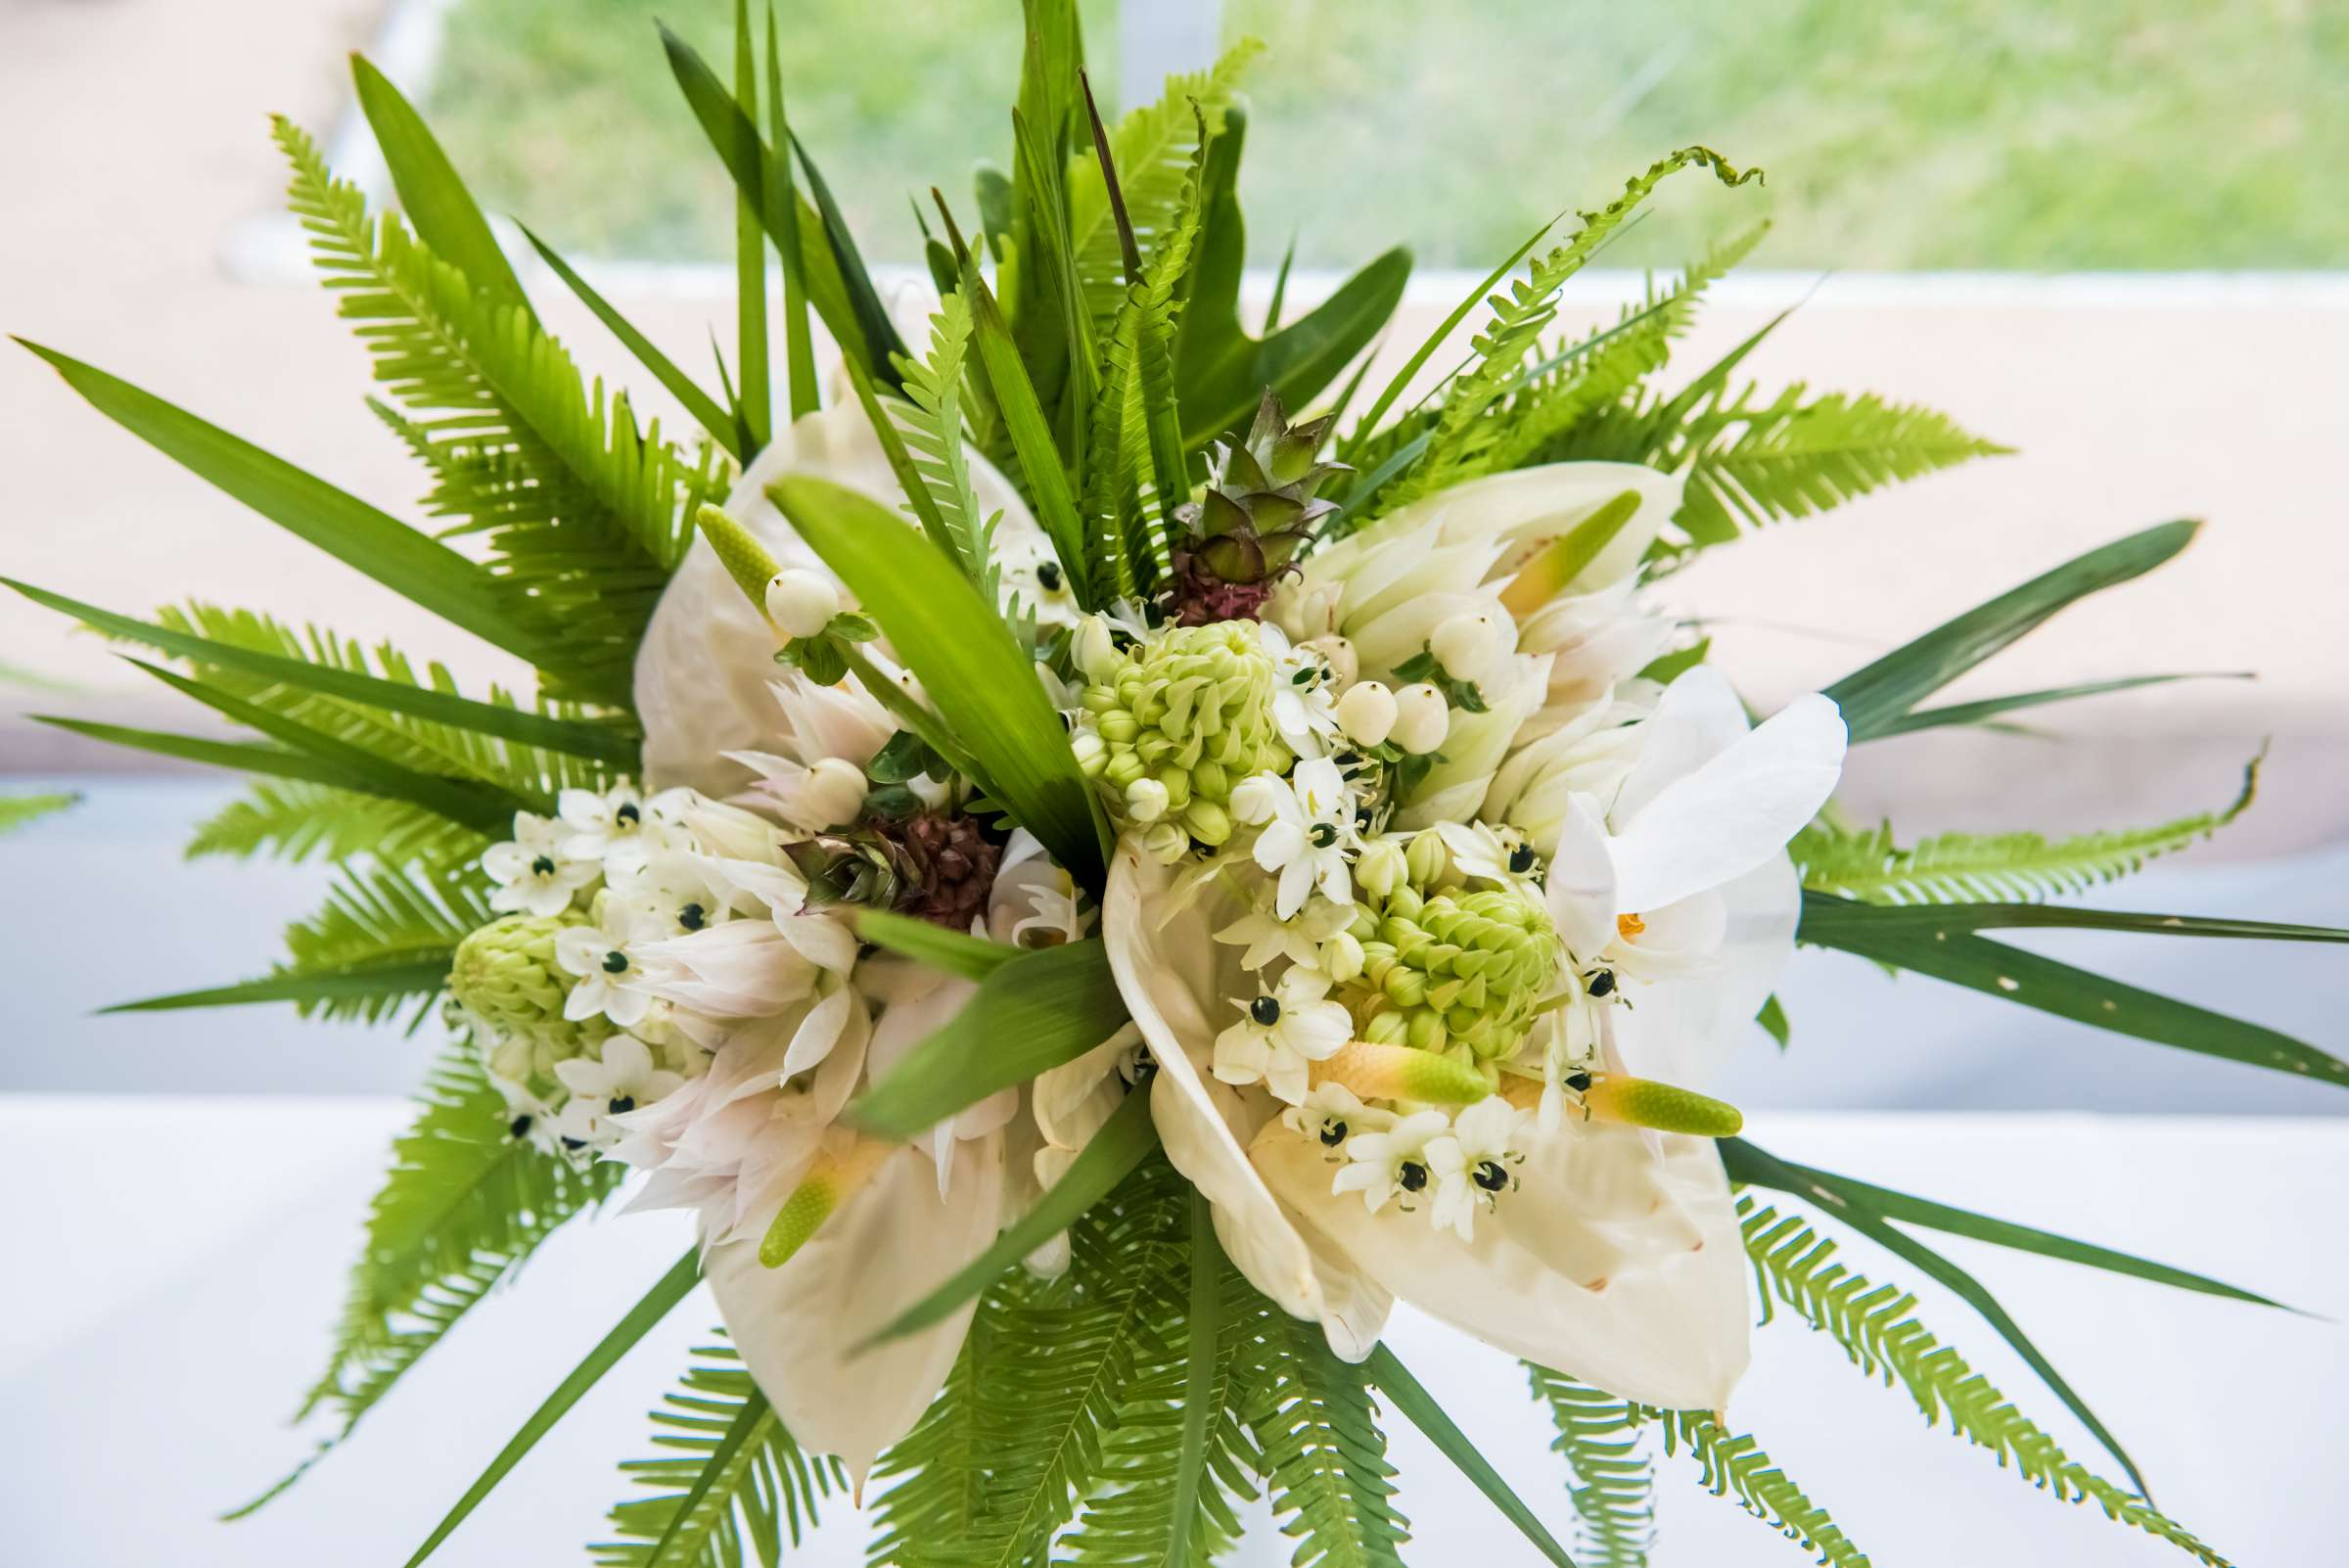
pixel 1682 1030
pixel 1734 812
pixel 1579 887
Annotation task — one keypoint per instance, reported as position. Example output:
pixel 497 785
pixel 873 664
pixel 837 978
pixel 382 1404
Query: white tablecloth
pixel 173 1265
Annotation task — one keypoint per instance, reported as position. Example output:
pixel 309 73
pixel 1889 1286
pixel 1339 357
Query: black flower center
pixel 1491 1177
pixel 1579 1081
pixel 543 866
pixel 1266 1010
pixel 1323 834
pixel 616 962
pixel 693 917
pixel 1333 1134
pixel 1602 983
pixel 1521 859
pixel 622 1104
pixel 519 1127
pixel 1048 575
pixel 627 816
pixel 1412 1176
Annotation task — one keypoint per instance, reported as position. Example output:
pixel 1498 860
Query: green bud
pixel 505 974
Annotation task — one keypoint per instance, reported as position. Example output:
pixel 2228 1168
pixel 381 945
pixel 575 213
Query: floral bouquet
pixel 1105 849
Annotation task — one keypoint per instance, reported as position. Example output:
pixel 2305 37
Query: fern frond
pixel 462 1205
pixel 731 1472
pixel 1130 1519
pixel 1973 867
pixel 387 919
pixel 1153 148
pixel 1879 1334
pixel 1614 1496
pixel 937 1474
pixel 1463 440
pixel 931 424
pixel 584 515
pixel 1736 1463
pixel 18 811
pixel 1060 1364
pixel 1789 458
pixel 296 820
pixel 1605 373
pixel 1325 1458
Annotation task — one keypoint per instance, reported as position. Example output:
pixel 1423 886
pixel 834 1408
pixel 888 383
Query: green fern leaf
pixel 1734 1462
pixel 1973 868
pixel 388 920
pixel 1875 1325
pixel 19 810
pixel 931 422
pixel 1324 1455
pixel 462 1206
pixel 1790 458
pixel 937 1474
pixel 1614 1496
pixel 731 1471
pixel 1465 435
pixel 1153 148
pixel 584 513
pixel 297 820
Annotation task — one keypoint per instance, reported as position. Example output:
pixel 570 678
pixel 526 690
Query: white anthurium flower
pixel 801 1327
pixel 614 982
pixel 1306 836
pixel 707 662
pixel 1681 884
pixel 1174 982
pixel 534 873
pixel 1616 1259
pixel 1282 1032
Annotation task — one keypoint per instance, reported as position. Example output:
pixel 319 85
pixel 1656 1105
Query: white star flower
pixel 1331 1114
pixel 626 1080
pixel 1473 1166
pixel 534 872
pixel 612 982
pixel 1305 839
pixel 1398 1159
pixel 1486 854
pixel 1305 693
pixel 1282 1033
pixel 1298 938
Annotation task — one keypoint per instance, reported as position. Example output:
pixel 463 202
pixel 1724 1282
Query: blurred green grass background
pixel 2091 134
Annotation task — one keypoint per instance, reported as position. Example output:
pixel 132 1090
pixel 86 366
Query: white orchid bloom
pixel 706 666
pixel 1615 1258
pixel 1680 885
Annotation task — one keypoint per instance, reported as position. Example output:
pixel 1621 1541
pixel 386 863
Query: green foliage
pixel 295 820
pixel 1464 439
pixel 462 1206
pixel 1324 1455
pixel 1154 148
pixel 20 811
pixel 1878 1333
pixel 1137 454
pixel 1614 1493
pixel 729 1472
pixel 1975 867
pixel 583 512
pixel 931 424
pixel 1736 1463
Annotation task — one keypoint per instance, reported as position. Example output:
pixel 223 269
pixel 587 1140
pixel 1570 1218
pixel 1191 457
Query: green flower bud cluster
pixel 1454 968
pixel 1180 720
pixel 505 974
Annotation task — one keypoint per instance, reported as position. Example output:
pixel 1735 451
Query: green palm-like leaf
pixel 1977 867
pixel 1880 1335
pixel 1734 1462
pixel 730 1473
pixel 298 821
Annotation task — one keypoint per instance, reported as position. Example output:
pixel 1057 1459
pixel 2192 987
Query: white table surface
pixel 173 1265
